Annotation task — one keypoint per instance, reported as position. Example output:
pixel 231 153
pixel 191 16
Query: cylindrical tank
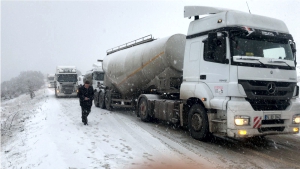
pixel 134 68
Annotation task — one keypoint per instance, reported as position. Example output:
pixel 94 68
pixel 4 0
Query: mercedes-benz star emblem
pixel 271 88
pixel 271 72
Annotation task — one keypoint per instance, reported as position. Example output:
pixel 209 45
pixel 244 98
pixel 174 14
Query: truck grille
pixel 67 89
pixel 268 95
pixel 262 104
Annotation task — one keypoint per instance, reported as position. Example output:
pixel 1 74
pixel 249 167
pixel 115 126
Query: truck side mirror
pixel 293 46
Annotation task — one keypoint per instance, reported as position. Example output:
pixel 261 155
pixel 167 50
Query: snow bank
pixel 53 136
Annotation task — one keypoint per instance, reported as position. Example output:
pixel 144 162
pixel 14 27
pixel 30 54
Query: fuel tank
pixel 137 68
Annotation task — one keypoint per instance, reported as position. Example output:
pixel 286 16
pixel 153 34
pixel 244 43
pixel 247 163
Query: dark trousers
pixel 85 111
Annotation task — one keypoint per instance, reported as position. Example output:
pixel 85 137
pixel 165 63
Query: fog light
pixel 296 118
pixel 242 132
pixel 57 91
pixel 296 129
pixel 242 120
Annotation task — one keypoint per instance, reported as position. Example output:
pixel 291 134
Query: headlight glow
pixel 242 132
pixel 296 129
pixel 296 119
pixel 242 120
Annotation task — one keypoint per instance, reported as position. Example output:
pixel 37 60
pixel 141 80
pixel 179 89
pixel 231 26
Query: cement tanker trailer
pixel 150 67
pixel 218 79
pixel 153 67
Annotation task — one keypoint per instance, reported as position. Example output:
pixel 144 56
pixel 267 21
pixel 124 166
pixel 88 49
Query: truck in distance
pixel 50 80
pixel 66 81
pixel 80 81
pixel 96 77
pixel 232 75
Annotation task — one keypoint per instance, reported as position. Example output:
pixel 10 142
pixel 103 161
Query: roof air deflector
pixel 190 11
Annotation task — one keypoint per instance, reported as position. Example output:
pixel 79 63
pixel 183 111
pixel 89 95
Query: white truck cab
pixel 96 78
pixel 66 81
pixel 80 81
pixel 242 69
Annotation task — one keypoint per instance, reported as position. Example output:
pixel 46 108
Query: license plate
pixel 272 116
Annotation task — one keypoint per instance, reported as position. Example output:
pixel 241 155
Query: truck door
pixel 214 64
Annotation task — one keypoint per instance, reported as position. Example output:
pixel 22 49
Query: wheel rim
pixel 143 108
pixel 196 122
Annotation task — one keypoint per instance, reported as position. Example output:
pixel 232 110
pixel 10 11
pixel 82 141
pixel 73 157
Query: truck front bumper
pixel 67 95
pixel 259 121
pixel 62 94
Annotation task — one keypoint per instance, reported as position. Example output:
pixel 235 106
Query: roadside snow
pixel 48 133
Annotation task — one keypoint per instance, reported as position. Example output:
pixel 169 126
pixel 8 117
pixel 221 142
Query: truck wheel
pixel 96 101
pixel 101 100
pixel 198 122
pixel 107 100
pixel 143 110
pixel 56 93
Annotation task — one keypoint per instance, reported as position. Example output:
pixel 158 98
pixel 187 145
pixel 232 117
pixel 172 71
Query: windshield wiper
pixel 253 59
pixel 283 62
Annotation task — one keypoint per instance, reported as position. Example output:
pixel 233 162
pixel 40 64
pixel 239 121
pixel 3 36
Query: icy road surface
pixel 47 132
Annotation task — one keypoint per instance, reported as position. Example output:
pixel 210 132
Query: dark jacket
pixel 84 92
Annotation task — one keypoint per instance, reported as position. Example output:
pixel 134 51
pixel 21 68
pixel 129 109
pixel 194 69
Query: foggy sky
pixel 39 35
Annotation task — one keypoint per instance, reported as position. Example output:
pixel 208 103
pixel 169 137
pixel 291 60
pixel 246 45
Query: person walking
pixel 86 96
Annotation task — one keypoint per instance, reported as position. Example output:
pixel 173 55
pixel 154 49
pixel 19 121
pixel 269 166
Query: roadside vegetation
pixel 24 83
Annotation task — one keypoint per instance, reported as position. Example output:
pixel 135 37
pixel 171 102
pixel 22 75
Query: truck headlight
pixel 57 91
pixel 242 120
pixel 296 119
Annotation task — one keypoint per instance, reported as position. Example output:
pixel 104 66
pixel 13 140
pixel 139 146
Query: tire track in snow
pixel 181 153
pixel 234 155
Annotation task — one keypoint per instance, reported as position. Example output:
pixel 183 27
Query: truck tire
pixel 143 110
pixel 107 100
pixel 56 93
pixel 96 101
pixel 101 99
pixel 198 122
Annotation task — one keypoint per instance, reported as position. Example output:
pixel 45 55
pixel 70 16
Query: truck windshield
pixel 265 48
pixel 67 77
pixel 50 78
pixel 98 76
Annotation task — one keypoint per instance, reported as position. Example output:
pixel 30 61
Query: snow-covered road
pixel 54 137
pixel 47 132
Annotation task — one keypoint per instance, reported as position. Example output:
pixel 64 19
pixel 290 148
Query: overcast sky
pixel 39 35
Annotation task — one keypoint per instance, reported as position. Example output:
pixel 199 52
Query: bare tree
pixel 27 81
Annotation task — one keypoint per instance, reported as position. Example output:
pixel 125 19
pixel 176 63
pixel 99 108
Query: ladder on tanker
pixel 136 42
